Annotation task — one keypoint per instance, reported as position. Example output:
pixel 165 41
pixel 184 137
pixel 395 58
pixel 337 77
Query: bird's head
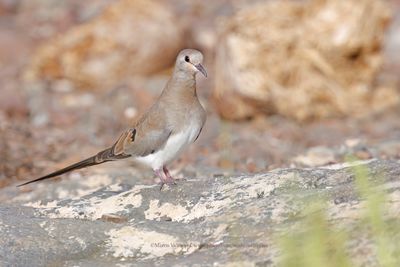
pixel 189 61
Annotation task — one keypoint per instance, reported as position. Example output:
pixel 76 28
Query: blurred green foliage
pixel 316 242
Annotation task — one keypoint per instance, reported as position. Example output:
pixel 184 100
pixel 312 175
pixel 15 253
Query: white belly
pixel 175 145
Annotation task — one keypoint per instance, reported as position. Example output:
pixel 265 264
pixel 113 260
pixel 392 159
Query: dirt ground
pixel 41 130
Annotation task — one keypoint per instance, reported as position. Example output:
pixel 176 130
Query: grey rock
pixel 103 220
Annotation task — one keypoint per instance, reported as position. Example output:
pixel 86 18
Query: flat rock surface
pixel 105 220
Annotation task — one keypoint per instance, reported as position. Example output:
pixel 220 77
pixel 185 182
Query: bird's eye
pixel 187 59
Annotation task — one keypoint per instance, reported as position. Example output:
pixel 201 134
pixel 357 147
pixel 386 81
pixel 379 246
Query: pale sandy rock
pixel 316 156
pixel 129 242
pixel 304 60
pixel 130 37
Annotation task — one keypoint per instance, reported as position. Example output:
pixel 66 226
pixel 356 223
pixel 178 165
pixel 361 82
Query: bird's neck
pixel 182 83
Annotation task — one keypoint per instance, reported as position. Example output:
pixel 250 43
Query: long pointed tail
pixel 101 157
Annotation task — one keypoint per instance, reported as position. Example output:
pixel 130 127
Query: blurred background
pixel 291 83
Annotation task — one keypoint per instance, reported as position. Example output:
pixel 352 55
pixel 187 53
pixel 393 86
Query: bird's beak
pixel 201 69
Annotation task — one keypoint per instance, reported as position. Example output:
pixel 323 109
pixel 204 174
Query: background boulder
pixel 303 60
pixel 124 40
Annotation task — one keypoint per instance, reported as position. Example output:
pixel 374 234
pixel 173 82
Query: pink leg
pixel 170 179
pixel 160 175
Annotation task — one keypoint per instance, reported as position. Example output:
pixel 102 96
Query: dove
pixel 161 134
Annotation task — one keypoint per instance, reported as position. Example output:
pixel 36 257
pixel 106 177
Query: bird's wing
pixel 148 136
pixel 202 119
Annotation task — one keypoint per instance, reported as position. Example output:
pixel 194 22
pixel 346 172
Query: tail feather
pixel 101 157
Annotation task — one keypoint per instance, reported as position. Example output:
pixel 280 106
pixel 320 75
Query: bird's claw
pixel 167 182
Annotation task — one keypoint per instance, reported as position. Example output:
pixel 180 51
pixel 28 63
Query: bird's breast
pixel 174 146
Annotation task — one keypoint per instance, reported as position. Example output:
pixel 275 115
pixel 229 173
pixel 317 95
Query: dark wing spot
pixel 133 135
pixel 169 134
pixel 198 134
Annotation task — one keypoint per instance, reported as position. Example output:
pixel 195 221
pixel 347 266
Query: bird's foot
pixel 161 185
pixel 165 179
pixel 166 182
pixel 171 182
pixel 169 177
